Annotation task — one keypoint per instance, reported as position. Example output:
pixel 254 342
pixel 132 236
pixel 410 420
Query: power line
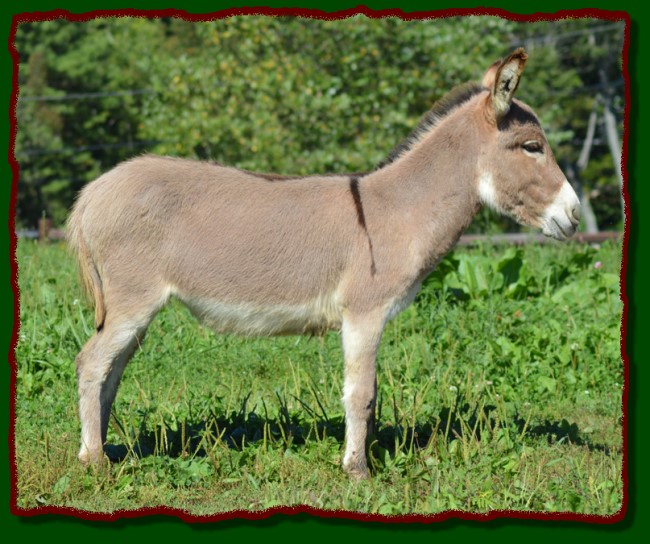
pixel 81 96
pixel 596 87
pixel 94 147
pixel 569 34
pixel 587 89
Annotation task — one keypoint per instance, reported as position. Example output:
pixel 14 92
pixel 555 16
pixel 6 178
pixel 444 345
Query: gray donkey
pixel 261 254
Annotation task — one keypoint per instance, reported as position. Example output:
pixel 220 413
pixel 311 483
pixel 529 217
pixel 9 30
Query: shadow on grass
pixel 235 430
pixel 242 428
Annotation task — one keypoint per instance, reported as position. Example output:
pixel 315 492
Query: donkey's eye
pixel 532 146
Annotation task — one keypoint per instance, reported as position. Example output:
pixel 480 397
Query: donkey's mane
pixel 443 107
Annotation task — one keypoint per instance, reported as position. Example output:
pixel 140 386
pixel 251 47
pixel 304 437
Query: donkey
pixel 261 254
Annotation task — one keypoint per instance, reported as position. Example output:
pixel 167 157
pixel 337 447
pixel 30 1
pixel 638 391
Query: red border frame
pixel 313 14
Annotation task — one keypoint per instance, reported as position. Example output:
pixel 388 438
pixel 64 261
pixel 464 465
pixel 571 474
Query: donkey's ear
pixel 506 80
pixel 490 76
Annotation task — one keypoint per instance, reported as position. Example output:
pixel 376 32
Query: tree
pixel 298 95
pixel 290 95
pixel 78 109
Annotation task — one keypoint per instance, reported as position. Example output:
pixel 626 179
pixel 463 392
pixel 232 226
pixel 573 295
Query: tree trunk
pixel 611 133
pixel 588 215
pixel 614 147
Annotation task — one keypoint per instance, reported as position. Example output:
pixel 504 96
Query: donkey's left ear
pixel 506 81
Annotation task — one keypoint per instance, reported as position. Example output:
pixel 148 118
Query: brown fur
pixel 301 255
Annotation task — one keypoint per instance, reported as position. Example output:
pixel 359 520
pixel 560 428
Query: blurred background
pixel 299 96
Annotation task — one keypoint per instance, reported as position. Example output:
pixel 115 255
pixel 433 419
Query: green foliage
pixel 291 95
pixel 299 96
pixel 503 393
pixel 472 276
pixel 73 120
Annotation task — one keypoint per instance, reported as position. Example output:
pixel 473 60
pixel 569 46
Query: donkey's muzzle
pixel 562 217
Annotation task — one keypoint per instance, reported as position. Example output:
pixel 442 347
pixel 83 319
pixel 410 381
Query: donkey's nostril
pixel 575 212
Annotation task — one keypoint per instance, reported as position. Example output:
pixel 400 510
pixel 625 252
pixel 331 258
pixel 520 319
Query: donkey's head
pixel 518 175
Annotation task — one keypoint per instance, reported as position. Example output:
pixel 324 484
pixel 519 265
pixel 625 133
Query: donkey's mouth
pixel 556 230
pixel 559 227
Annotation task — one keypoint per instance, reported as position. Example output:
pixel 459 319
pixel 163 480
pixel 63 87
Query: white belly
pixel 315 316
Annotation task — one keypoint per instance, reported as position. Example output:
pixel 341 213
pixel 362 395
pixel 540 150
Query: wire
pixel 569 34
pixel 81 96
pixel 94 147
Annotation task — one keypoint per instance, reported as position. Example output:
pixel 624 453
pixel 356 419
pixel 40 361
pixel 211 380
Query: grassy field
pixel 499 389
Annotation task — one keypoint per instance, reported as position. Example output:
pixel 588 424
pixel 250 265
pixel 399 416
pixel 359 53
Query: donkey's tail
pixel 89 274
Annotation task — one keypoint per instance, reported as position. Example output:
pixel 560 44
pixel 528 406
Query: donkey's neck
pixel 432 190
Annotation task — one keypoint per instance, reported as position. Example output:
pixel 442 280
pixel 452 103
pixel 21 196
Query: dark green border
pixel 303 526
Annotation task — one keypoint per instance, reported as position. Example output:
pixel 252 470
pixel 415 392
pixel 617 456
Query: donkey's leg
pixel 361 335
pixel 99 368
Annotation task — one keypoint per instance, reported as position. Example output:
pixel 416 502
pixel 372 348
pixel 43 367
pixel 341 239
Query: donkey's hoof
pixel 91 457
pixel 359 475
pixel 357 471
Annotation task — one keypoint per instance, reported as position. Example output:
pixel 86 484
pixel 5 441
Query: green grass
pixel 499 389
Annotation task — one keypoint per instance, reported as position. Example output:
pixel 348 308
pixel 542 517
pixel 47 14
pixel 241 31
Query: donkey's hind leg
pixel 99 369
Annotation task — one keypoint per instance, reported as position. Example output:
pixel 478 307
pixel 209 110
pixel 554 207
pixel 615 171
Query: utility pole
pixel 588 215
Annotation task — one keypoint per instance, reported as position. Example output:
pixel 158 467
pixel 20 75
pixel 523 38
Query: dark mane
pixel 454 98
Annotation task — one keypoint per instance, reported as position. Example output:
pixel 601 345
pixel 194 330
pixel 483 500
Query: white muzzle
pixel 561 218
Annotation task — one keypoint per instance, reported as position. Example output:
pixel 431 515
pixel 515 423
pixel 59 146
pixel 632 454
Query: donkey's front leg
pixel 361 335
